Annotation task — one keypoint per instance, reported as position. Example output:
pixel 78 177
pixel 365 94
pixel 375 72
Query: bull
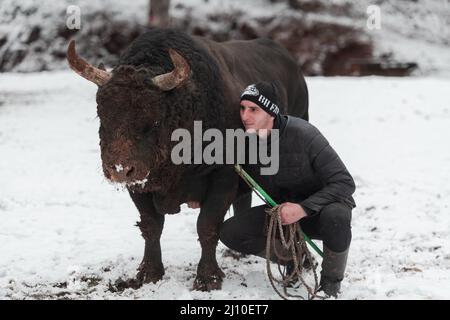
pixel 165 80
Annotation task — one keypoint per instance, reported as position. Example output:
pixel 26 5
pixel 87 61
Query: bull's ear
pixel 84 69
pixel 177 76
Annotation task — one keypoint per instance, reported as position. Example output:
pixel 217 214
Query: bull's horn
pixel 177 76
pixel 84 69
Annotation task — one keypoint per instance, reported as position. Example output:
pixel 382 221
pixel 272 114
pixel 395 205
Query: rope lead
pixel 295 245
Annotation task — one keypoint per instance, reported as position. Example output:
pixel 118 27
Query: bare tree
pixel 159 13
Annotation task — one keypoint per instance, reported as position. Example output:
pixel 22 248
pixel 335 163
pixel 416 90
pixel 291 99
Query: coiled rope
pixel 293 241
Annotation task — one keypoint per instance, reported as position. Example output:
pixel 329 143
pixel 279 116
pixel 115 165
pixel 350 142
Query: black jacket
pixel 310 171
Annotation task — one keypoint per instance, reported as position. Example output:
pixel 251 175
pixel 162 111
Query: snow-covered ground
pixel 66 233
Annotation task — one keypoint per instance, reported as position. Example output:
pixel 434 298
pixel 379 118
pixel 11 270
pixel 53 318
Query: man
pixel 312 185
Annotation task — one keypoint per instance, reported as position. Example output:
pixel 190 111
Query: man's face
pixel 254 118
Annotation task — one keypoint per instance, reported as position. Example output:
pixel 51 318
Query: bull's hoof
pixel 143 276
pixel 149 275
pixel 209 282
pixel 146 274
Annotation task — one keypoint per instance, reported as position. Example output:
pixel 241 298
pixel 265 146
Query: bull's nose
pixel 120 173
pixel 128 171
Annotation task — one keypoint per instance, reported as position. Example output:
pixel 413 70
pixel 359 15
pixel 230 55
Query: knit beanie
pixel 264 95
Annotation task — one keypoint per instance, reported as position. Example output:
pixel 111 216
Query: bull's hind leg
pixel 221 192
pixel 151 268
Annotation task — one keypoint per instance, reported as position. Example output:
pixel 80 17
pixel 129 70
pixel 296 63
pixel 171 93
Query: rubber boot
pixel 333 268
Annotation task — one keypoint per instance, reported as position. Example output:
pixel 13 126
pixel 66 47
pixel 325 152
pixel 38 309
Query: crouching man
pixel 312 185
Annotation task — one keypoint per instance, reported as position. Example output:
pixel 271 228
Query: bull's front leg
pixel 151 225
pixel 221 193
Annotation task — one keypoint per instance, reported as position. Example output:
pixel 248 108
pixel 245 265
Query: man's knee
pixel 335 226
pixel 336 214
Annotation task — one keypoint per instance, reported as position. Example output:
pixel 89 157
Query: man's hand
pixel 291 212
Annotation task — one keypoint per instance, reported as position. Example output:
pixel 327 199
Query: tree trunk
pixel 159 13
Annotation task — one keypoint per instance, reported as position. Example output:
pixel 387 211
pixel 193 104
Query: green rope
pixel 257 188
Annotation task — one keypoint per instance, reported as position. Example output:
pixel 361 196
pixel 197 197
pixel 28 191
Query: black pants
pixel 245 231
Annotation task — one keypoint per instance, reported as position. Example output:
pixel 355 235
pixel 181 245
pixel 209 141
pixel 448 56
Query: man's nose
pixel 244 115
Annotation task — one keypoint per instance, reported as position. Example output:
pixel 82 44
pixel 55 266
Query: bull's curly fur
pixel 202 99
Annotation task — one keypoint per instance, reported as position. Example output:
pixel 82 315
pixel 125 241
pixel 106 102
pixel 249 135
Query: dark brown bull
pixel 166 80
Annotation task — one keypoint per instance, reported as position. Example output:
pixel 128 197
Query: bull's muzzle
pixel 119 173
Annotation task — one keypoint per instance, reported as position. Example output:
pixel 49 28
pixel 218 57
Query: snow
pixel 66 232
